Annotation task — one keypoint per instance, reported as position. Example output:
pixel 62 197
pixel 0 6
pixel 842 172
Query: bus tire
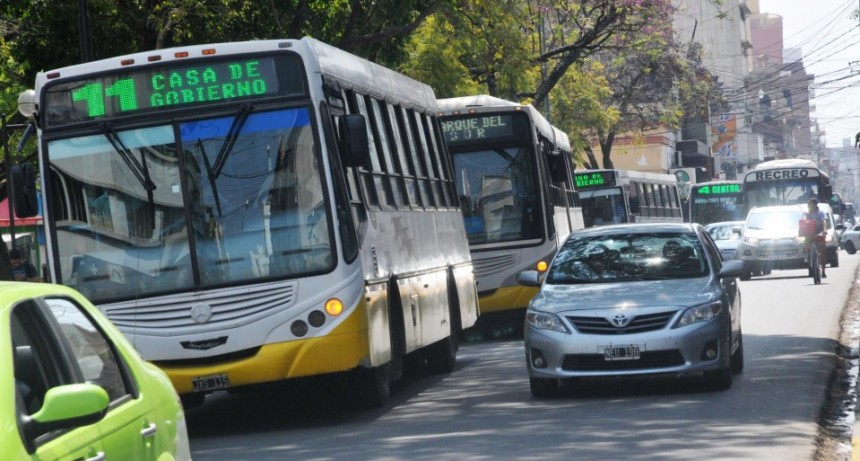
pixel 442 355
pixel 373 385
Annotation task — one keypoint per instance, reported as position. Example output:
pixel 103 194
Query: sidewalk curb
pixel 835 438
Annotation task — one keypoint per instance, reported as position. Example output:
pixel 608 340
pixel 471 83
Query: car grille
pixel 639 324
pixel 778 249
pixel 728 254
pixel 647 359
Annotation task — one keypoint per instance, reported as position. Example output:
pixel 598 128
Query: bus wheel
pixel 373 385
pixel 442 355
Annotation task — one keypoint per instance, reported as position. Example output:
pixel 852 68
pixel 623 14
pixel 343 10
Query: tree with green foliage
pixel 654 82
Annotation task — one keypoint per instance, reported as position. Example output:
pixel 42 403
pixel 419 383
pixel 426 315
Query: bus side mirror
pixel 24 190
pixel 353 140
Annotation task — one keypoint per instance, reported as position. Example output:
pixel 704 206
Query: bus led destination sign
pixel 478 128
pixel 781 173
pixel 594 179
pixel 150 88
pixel 719 189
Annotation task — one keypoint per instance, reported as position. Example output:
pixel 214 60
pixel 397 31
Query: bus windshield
pixel 499 194
pixel 712 202
pixel 603 206
pixel 785 192
pixel 200 203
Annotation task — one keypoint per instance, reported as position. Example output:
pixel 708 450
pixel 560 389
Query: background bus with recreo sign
pixel 512 171
pixel 784 182
pixel 257 211
pixel 715 201
pixel 621 196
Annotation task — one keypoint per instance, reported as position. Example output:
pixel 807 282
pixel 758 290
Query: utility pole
pixel 84 29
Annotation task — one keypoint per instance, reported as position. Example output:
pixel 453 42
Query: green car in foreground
pixel 73 388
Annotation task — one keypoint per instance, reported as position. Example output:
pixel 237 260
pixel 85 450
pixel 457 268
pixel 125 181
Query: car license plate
pixel 630 352
pixel 210 383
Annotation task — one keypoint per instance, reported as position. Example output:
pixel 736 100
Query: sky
pixel 830 41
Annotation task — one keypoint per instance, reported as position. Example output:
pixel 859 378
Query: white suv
pixel 771 241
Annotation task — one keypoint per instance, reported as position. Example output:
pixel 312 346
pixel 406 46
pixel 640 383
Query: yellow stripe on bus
pixel 507 298
pixel 341 350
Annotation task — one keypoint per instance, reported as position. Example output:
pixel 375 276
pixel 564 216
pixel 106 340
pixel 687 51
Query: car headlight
pixel 702 313
pixel 545 321
pixel 751 240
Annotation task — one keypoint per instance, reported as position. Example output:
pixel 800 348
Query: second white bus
pixel 512 171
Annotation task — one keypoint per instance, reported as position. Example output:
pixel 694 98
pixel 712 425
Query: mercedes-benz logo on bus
pixel 201 313
pixel 620 320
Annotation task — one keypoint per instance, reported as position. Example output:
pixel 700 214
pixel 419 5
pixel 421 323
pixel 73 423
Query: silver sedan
pixel 634 299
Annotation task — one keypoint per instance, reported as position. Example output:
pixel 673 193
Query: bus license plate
pixel 210 383
pixel 621 353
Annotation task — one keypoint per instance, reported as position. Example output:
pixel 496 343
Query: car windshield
pixel 628 257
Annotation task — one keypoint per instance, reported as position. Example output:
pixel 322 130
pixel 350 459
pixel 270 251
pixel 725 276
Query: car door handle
pixel 149 431
pixel 100 456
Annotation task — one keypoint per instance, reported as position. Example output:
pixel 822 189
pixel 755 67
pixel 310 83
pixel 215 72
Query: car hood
pixel 765 234
pixel 676 292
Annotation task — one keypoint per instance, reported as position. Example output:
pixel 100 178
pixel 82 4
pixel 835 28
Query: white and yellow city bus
pixel 512 170
pixel 258 211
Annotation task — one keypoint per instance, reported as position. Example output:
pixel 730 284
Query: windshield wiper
pixel 211 175
pixel 139 169
pixel 214 170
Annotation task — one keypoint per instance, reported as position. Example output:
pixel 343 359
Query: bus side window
pixel 633 201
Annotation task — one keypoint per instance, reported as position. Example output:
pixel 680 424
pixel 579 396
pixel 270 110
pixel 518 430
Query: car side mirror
pixel 66 407
pixel 529 278
pixel 731 269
